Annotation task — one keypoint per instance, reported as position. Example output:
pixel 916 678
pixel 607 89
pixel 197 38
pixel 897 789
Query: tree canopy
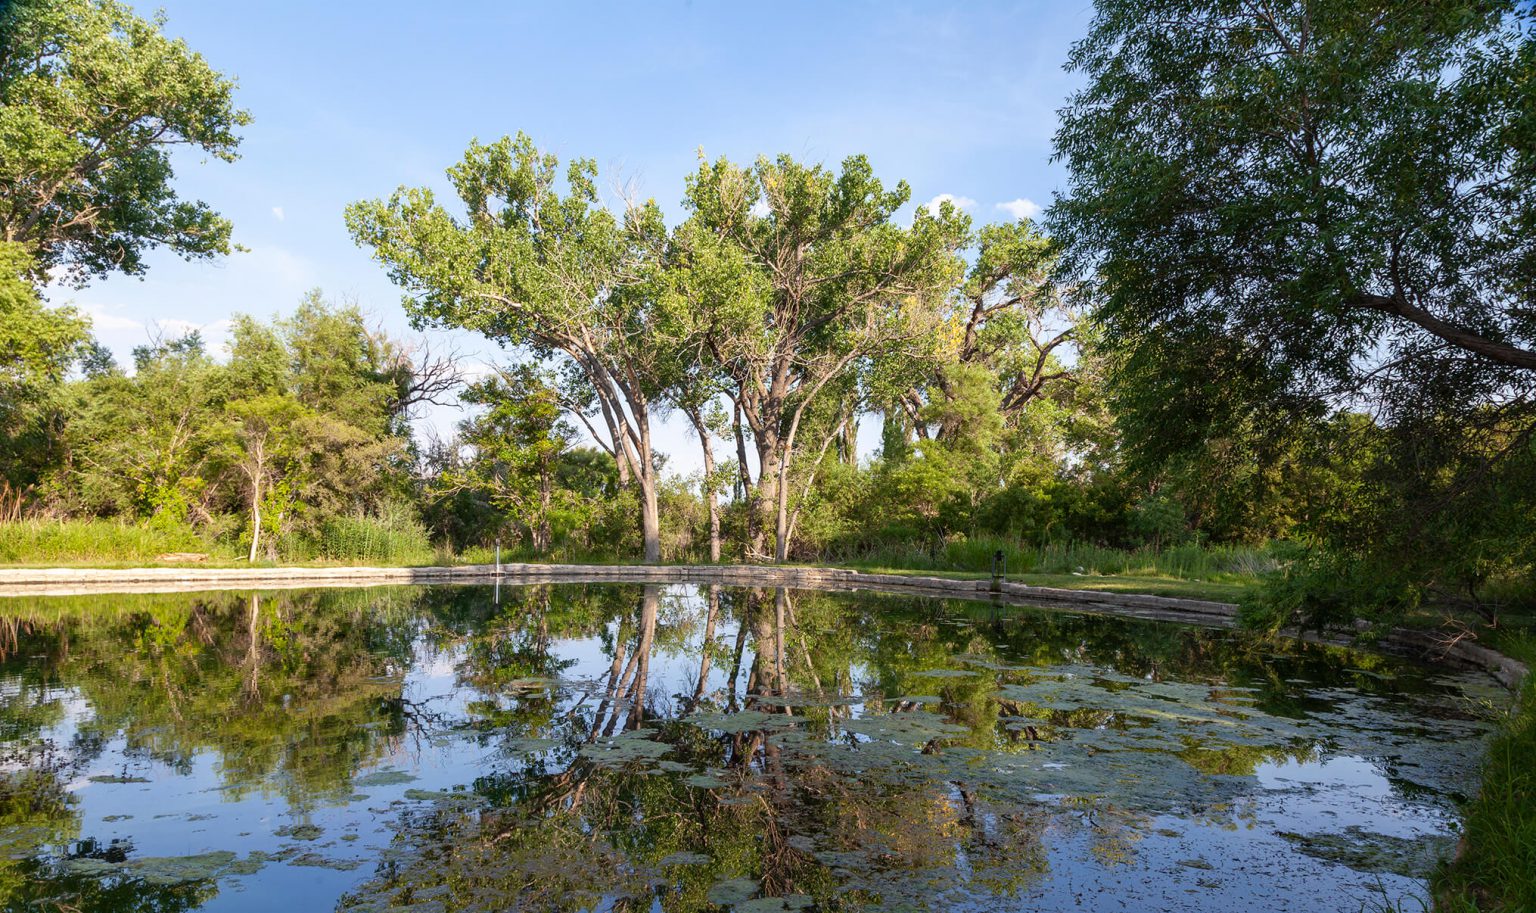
pixel 94 101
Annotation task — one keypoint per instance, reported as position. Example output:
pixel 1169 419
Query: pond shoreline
pixel 15 582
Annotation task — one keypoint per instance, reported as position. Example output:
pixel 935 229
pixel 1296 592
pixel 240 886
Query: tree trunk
pixel 711 499
pixel 650 519
pixel 650 602
pixel 255 515
pixel 781 518
pixel 541 531
pixel 764 498
pixel 631 433
pixel 848 447
pixel 250 685
pixel 709 637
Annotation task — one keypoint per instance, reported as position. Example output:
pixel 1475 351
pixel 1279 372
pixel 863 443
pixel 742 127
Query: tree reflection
pixel 653 745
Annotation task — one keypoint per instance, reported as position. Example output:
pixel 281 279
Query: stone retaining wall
pixel 75 581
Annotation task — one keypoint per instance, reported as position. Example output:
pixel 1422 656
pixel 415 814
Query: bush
pixel 1316 589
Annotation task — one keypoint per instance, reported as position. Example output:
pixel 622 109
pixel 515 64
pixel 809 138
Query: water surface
pixel 681 748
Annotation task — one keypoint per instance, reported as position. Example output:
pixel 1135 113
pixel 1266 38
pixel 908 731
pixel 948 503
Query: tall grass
pixel 376 540
pixel 95 541
pixel 1495 870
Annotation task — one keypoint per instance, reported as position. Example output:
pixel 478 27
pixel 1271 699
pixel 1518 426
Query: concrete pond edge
pixel 1418 644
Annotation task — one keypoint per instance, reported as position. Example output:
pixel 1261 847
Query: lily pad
pixel 732 892
pixel 384 778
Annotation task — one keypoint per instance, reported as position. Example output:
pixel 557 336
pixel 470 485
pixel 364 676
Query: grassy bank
pixel 1218 563
pixel 1220 574
pixel 98 543
pixel 1495 870
pixel 111 543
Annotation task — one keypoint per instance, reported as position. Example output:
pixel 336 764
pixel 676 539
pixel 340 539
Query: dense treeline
pixel 1249 320
pixel 301 425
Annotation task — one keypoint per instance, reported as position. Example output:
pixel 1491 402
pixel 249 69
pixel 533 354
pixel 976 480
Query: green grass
pixel 1219 574
pixel 1495 869
pixel 96 542
pixel 1221 563
pixel 368 540
pixel 114 544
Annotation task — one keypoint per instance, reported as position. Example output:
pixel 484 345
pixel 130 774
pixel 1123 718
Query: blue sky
pixel 352 99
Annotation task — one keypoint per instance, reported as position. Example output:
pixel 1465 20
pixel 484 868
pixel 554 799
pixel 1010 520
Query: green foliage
pixel 97 541
pixel 1283 219
pixel 1492 872
pixel 93 101
pixel 509 456
pixel 529 266
pixel 37 346
pixel 790 279
pixel 388 540
pixel 37 343
pixel 304 422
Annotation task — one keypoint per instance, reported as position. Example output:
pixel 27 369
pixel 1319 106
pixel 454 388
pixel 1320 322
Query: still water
pixel 681 748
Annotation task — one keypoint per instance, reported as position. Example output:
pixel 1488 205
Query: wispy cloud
pixel 1022 208
pixel 277 212
pixel 102 320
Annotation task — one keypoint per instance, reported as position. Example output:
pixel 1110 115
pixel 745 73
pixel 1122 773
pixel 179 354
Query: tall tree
pixel 1306 201
pixel 1290 210
pixel 1005 323
pixel 267 453
pixel 529 266
pixel 829 280
pixel 93 101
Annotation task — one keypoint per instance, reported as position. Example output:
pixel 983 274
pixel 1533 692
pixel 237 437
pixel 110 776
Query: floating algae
pixel 169 870
pixel 384 778
pixel 1364 851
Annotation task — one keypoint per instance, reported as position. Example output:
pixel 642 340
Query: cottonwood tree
pixel 1006 321
pixel 528 265
pixel 806 274
pixel 93 101
pixel 266 451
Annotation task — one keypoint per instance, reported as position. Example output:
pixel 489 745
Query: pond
pixel 688 748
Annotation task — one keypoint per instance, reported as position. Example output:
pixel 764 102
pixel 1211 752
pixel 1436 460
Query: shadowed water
pixel 647 748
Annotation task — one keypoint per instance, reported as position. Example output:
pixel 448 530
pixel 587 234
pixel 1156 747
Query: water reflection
pixel 679 749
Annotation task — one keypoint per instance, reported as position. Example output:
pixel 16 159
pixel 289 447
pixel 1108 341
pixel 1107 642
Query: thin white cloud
pixel 101 320
pixel 958 202
pixel 760 209
pixel 277 211
pixel 1022 208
